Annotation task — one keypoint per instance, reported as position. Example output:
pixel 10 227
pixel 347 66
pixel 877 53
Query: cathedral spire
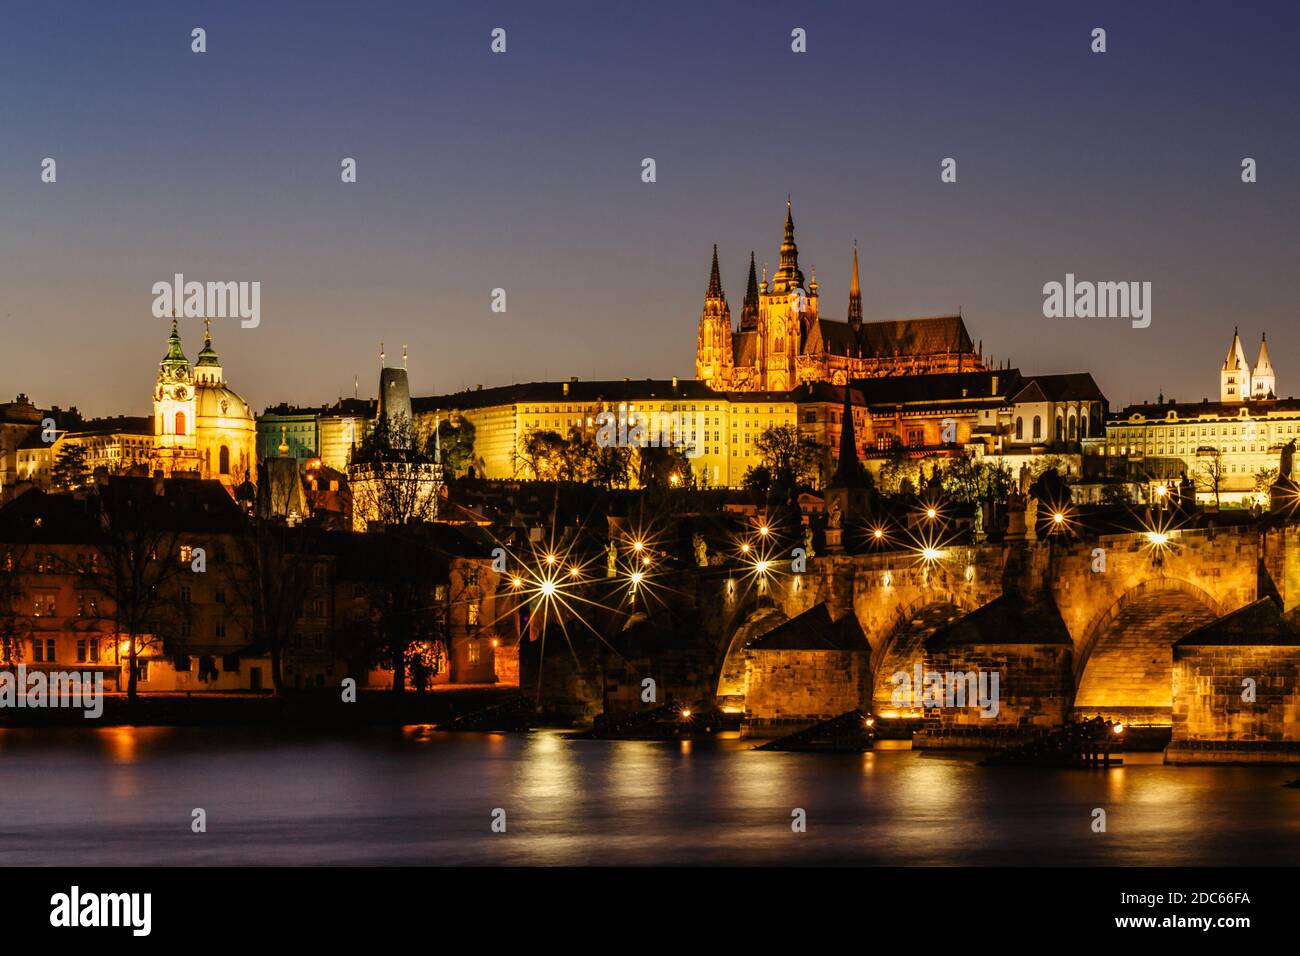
pixel 787 274
pixel 749 311
pixel 855 293
pixel 713 353
pixel 715 278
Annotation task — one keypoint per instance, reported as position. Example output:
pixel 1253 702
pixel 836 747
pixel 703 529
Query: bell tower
pixel 713 352
pixel 784 305
pixel 174 409
pixel 1263 383
pixel 1234 375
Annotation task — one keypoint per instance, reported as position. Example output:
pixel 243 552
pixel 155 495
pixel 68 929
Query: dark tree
pixel 70 471
pixel 15 617
pixel 270 577
pixel 137 561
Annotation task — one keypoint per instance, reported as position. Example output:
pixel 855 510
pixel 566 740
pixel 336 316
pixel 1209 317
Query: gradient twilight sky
pixel 522 171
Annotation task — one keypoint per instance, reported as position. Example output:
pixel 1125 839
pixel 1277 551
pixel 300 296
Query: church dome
pixel 218 401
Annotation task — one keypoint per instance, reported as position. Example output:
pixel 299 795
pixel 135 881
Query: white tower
pixel 1234 376
pixel 1263 384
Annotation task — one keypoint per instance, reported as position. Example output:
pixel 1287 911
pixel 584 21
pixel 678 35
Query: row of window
pixel 44 652
pixel 1248 429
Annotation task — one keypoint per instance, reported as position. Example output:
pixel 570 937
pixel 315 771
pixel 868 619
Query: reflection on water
pixel 415 796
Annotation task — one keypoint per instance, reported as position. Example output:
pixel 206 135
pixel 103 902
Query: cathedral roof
pixel 897 337
pixel 744 348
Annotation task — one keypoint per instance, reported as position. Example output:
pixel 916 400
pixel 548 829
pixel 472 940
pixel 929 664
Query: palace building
pixel 1229 448
pixel 783 342
pixel 201 426
pixel 723 429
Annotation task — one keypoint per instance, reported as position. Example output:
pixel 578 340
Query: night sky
pixel 523 171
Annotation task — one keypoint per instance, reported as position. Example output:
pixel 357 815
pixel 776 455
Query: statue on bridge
pixel 611 560
pixel 701 550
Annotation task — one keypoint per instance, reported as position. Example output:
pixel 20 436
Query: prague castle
pixel 201 426
pixel 783 342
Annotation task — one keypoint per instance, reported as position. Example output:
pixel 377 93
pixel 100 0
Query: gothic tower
pixel 786 308
pixel 713 354
pixel 1234 376
pixel 749 311
pixel 1263 384
pixel 855 295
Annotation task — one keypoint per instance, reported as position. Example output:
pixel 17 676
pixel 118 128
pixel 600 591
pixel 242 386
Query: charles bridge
pixel 1189 630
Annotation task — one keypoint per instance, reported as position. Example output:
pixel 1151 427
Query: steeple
pixel 207 370
pixel 1234 376
pixel 749 311
pixel 1236 354
pixel 715 279
pixel 174 367
pixel 1263 382
pixel 855 293
pixel 787 275
pixel 848 473
pixel 713 354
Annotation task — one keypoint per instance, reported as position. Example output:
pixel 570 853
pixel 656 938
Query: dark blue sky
pixel 522 171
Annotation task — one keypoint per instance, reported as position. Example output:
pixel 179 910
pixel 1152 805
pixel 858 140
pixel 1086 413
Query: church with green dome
pixel 202 427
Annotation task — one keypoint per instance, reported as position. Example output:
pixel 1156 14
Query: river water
pixel 119 796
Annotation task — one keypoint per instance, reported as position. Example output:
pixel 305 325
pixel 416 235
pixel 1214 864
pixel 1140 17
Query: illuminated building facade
pixel 722 427
pixel 782 340
pixel 992 413
pixel 1234 443
pixel 201 426
pixel 115 444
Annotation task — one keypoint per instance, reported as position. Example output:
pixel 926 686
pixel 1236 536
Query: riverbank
pixel 305 709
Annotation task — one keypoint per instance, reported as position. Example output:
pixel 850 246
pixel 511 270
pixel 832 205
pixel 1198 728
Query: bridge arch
pixel 1124 662
pixel 903 644
pixel 756 618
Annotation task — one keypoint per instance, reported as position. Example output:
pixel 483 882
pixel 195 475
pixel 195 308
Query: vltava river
pixel 118 796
